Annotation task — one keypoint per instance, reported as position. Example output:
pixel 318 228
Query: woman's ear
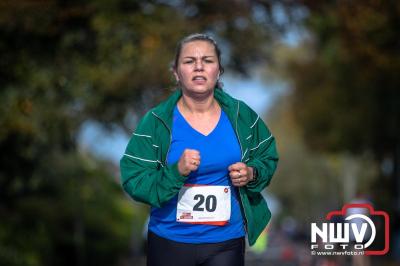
pixel 176 75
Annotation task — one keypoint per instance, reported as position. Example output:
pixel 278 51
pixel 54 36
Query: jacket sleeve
pixel 263 155
pixel 143 176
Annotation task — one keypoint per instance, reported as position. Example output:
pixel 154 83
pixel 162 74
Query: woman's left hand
pixel 240 174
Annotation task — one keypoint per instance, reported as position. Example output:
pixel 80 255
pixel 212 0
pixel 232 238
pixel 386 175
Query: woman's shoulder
pixel 146 122
pixel 245 110
pixel 162 111
pixel 166 106
pixel 234 103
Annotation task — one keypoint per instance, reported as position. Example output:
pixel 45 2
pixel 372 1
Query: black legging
pixel 164 252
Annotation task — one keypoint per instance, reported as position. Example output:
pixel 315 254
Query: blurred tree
pixel 309 182
pixel 346 92
pixel 66 62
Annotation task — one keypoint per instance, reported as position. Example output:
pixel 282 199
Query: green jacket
pixel 147 178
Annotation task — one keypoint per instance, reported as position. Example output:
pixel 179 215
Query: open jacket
pixel 147 177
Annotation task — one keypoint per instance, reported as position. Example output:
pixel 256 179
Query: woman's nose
pixel 198 65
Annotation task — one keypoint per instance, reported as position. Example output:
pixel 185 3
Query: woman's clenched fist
pixel 189 161
pixel 240 174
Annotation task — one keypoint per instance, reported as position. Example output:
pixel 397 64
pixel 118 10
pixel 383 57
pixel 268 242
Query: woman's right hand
pixel 189 161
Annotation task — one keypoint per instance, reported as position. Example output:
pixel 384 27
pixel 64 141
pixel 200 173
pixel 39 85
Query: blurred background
pixel 75 77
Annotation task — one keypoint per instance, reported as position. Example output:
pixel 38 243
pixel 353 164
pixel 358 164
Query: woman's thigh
pixel 164 252
pixel 227 253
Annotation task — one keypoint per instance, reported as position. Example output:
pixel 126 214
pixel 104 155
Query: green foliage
pixel 347 91
pixel 346 96
pixel 69 213
pixel 309 183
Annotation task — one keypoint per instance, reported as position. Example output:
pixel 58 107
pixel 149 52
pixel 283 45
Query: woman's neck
pixel 198 105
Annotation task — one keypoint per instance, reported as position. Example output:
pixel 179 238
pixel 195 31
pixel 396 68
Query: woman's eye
pixel 209 61
pixel 188 62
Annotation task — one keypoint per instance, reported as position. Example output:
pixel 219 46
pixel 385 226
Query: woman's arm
pixel 143 176
pixel 263 157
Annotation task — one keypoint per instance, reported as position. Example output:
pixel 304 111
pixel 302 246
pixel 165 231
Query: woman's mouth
pixel 199 79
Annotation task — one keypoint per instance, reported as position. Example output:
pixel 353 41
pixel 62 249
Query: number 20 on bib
pixel 204 205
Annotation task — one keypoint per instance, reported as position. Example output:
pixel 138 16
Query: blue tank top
pixel 218 150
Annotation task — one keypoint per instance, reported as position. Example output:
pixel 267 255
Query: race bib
pixel 204 204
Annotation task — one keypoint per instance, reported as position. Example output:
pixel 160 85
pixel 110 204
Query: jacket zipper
pixel 241 155
pixel 170 136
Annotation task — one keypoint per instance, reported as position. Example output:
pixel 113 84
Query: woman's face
pixel 198 67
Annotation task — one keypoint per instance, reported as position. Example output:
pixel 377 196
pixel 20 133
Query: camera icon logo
pixel 352 230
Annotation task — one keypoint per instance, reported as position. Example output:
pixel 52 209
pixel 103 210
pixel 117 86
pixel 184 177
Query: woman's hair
pixel 197 37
